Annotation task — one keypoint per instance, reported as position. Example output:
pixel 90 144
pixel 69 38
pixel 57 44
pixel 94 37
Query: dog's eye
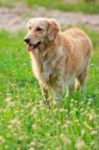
pixel 29 28
pixel 39 29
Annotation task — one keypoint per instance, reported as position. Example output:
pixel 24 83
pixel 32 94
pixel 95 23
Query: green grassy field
pixel 26 123
pixel 78 5
pixel 66 6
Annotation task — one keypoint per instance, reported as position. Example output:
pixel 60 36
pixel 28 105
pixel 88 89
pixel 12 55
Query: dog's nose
pixel 27 40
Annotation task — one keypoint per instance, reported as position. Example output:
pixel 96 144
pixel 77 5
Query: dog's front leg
pixel 45 95
pixel 70 89
pixel 57 95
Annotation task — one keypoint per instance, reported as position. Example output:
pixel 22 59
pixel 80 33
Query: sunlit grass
pixel 26 123
pixel 66 6
pixel 77 6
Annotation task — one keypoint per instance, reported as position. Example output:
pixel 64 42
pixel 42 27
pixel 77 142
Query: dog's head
pixel 40 30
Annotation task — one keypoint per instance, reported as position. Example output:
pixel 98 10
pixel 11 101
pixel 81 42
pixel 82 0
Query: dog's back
pixel 79 51
pixel 80 38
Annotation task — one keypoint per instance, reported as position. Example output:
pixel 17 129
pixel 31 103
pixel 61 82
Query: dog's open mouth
pixel 33 46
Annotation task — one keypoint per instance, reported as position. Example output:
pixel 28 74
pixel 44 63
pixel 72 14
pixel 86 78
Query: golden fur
pixel 61 58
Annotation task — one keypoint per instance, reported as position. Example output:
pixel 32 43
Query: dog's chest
pixel 47 69
pixel 52 68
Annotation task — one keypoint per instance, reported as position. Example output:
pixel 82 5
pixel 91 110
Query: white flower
pixel 92 116
pixel 9 101
pixel 32 143
pixel 65 139
pixel 31 148
pixel 93 132
pixel 33 111
pixel 28 105
pixel 34 126
pixel 2 140
pixel 63 110
pixel 14 123
pixel 79 144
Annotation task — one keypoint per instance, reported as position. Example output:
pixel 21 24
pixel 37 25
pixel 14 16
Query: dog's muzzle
pixel 30 45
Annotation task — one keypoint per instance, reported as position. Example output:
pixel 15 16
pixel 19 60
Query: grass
pixel 81 5
pixel 26 123
pixel 8 3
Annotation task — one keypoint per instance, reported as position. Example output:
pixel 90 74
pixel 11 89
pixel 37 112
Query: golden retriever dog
pixel 59 59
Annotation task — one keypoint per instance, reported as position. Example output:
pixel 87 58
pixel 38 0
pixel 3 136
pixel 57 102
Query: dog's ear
pixel 28 23
pixel 27 26
pixel 53 29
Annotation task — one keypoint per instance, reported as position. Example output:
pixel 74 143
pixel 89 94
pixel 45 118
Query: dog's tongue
pixel 30 47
